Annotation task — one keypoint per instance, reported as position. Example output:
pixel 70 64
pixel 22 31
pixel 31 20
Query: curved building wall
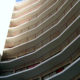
pixel 43 41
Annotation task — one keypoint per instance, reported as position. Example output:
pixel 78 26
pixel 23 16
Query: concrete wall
pixel 27 36
pixel 23 47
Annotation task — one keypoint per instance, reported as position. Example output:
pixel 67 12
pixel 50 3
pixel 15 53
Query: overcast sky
pixel 6 9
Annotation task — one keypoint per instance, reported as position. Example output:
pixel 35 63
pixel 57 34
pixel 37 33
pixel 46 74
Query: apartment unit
pixel 43 41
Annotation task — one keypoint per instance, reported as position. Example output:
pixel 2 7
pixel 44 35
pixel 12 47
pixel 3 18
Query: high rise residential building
pixel 43 41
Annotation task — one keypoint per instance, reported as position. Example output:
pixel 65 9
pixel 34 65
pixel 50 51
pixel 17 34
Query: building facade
pixel 43 41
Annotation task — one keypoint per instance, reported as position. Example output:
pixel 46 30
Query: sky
pixel 6 9
pixel 18 0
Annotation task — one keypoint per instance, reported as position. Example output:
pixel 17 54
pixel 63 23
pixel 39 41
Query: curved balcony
pixel 36 21
pixel 24 49
pixel 71 71
pixel 42 53
pixel 63 37
pixel 25 10
pixel 47 52
pixel 27 36
pixel 69 53
pixel 28 17
pixel 24 3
